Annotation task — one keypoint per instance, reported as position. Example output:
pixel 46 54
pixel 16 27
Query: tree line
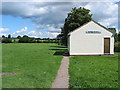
pixel 27 39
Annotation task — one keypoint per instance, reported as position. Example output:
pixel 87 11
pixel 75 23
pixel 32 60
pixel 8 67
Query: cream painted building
pixel 91 39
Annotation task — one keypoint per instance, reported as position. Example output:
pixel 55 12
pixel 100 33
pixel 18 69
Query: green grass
pixel 35 64
pixel 93 72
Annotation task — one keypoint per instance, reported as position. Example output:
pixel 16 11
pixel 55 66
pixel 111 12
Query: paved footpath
pixel 62 79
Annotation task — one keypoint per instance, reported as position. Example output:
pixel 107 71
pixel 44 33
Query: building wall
pixel 82 43
pixel 112 46
pixel 68 43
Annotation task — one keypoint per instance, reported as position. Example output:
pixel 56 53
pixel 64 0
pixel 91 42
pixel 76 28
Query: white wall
pixel 68 43
pixel 82 43
pixel 112 46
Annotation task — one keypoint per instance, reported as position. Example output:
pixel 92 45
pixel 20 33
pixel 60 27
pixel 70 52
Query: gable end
pixel 94 22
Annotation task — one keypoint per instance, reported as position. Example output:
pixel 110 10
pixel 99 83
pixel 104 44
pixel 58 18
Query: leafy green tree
pixel 114 33
pixel 75 19
pixel 25 36
pixel 116 37
pixel 59 36
pixel 119 36
pixel 26 39
pixel 3 36
pixel 18 37
pixel 9 36
pixel 6 40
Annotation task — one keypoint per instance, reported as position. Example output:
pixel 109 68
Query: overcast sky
pixel 44 19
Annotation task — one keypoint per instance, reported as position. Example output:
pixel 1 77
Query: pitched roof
pixel 103 26
pixel 94 22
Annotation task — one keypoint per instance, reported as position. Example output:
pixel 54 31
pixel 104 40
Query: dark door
pixel 107 45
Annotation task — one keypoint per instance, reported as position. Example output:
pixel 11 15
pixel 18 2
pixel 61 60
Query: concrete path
pixel 62 79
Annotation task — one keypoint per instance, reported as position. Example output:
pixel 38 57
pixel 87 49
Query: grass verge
pixel 93 72
pixel 35 64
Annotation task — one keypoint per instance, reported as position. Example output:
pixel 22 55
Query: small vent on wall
pixel 93 32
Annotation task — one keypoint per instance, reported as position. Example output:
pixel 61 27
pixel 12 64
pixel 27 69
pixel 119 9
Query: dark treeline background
pixel 27 39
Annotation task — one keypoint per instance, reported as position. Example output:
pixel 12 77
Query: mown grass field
pixel 93 72
pixel 36 64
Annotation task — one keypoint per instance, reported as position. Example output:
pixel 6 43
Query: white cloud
pixel 3 30
pixel 25 31
pixel 109 22
pixel 26 28
pixel 3 34
pixel 51 15
pixel 34 34
pixel 25 9
pixel 53 29
pixel 50 34
pixel 55 34
pixel 105 13
pixel 20 32
pixel 55 12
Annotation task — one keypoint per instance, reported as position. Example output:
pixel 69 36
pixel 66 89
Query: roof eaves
pixel 94 22
pixel 103 26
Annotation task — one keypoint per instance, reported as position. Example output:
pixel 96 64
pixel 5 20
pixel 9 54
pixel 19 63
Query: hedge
pixel 117 47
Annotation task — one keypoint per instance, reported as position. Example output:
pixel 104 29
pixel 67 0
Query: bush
pixel 6 40
pixel 26 40
pixel 117 47
pixel 39 41
pixel 45 41
pixel 23 40
pixel 15 40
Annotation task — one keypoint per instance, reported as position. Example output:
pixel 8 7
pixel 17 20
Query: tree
pixel 18 37
pixel 26 39
pixel 59 36
pixel 119 36
pixel 6 40
pixel 75 19
pixel 116 37
pixel 9 36
pixel 114 33
pixel 3 36
pixel 25 36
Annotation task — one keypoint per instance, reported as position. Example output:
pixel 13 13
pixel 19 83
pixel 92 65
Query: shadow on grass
pixel 60 50
pixel 59 46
